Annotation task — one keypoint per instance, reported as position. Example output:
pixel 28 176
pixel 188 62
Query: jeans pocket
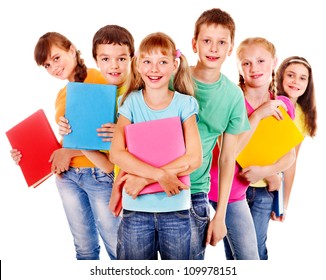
pixel 200 212
pixel 102 177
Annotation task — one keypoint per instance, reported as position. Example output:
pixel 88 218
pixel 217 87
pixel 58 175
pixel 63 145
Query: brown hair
pixel 218 17
pixel 266 45
pixel 182 81
pixel 113 34
pixel 307 99
pixel 43 50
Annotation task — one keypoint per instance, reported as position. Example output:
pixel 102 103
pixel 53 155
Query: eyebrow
pixel 292 72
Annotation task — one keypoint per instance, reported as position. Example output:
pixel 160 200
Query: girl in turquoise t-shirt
pixel 162 227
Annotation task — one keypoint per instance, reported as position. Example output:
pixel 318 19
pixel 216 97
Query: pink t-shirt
pixel 239 185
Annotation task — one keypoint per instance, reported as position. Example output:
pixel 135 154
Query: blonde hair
pixel 266 45
pixel 182 81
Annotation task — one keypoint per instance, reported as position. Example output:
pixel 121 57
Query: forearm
pixel 99 159
pixel 289 175
pixel 132 165
pixel 226 174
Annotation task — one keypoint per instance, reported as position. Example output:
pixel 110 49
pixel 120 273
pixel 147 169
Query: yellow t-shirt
pixel 299 120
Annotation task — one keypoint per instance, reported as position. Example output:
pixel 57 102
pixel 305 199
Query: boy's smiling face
pixel 114 61
pixel 213 45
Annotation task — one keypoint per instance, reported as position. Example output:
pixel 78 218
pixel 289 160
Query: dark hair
pixel 113 34
pixel 218 17
pixel 307 99
pixel 43 50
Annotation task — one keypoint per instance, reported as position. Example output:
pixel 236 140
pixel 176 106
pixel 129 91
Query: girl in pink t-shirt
pixel 256 64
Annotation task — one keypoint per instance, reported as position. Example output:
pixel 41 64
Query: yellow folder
pixel 271 140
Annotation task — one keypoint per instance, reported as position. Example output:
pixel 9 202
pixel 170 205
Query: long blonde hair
pixel 266 45
pixel 182 81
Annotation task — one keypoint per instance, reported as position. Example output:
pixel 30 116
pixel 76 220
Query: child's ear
pixel 194 45
pixel 275 61
pixel 231 50
pixel 73 50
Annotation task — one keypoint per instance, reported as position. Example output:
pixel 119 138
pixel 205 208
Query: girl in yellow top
pixel 85 189
pixel 294 80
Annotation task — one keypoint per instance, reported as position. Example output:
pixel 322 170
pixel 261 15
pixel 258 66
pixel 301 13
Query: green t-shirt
pixel 221 109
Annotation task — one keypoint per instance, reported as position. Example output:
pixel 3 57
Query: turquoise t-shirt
pixel 221 109
pixel 136 110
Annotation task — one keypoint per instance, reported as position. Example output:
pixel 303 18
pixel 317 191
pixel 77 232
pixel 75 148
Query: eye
pixel 261 61
pixel 105 59
pixel 46 66
pixel 206 41
pixel 245 64
pixel 222 43
pixel 122 59
pixel 56 58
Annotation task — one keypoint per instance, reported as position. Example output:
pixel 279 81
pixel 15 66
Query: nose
pixel 114 64
pixel 214 46
pixel 154 67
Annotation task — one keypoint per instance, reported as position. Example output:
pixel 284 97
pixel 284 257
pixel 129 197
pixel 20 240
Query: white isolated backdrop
pixel 35 241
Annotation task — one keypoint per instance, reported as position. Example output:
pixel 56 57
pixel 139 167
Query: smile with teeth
pixel 114 74
pixel 293 88
pixel 256 76
pixel 154 78
pixel 211 57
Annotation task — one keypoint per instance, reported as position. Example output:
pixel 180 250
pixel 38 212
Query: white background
pixel 35 241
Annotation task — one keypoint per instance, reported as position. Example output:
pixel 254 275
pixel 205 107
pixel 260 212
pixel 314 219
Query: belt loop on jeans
pixel 93 170
pixel 77 169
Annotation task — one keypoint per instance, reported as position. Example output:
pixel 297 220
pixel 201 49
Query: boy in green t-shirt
pixel 222 113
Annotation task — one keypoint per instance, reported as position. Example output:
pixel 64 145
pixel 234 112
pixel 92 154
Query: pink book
pixel 157 143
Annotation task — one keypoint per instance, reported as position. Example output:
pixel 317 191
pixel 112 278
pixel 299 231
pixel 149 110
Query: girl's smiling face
pixel 295 80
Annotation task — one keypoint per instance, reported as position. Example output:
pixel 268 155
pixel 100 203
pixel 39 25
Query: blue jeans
pixel 260 202
pixel 240 242
pixel 200 217
pixel 85 195
pixel 142 235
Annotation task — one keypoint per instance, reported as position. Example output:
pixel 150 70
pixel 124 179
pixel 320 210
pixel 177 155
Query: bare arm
pixel 217 228
pixel 167 175
pixel 289 175
pixel 100 160
pixel 268 172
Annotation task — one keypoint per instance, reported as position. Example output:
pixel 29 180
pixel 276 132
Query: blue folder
pixel 88 106
pixel 278 201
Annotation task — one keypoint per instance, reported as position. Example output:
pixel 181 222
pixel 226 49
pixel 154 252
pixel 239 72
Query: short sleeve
pixel 289 105
pixel 190 107
pixel 238 121
pixel 125 109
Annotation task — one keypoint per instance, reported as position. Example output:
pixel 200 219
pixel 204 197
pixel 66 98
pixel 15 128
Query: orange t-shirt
pixel 94 77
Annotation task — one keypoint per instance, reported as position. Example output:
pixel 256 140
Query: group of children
pixel 218 118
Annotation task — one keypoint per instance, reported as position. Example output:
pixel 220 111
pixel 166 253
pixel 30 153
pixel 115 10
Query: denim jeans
pixel 85 195
pixel 260 202
pixel 142 235
pixel 200 217
pixel 240 242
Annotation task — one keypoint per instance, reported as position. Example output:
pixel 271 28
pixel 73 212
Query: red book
pixel 36 141
pixel 157 143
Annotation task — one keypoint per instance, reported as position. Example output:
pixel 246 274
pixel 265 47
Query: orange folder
pixel 36 141
pixel 271 140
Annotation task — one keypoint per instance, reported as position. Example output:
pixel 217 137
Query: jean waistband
pixel 85 170
pixel 199 196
